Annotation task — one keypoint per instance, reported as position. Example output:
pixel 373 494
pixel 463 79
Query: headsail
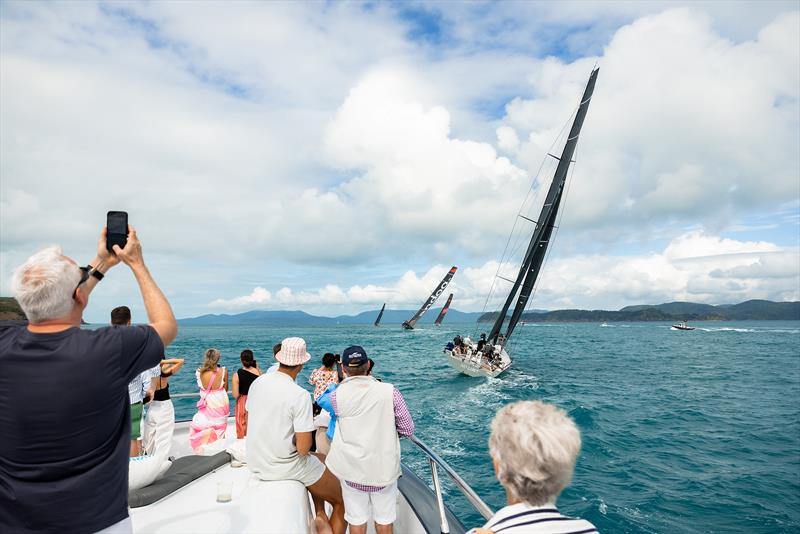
pixel 409 325
pixel 537 249
pixel 380 315
pixel 442 313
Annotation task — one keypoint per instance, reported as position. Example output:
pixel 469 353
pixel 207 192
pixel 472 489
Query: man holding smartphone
pixel 64 451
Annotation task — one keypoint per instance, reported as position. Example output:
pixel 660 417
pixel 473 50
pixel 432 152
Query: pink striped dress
pixel 209 423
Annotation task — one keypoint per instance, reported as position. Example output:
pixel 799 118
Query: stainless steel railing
pixel 435 461
pixel 186 395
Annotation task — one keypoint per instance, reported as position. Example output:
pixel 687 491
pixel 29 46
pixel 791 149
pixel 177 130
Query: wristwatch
pixel 94 272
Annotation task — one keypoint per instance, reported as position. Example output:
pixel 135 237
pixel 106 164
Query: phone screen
pixel 117 225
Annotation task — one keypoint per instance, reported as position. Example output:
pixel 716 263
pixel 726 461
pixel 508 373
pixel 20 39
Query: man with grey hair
pixel 533 447
pixel 64 410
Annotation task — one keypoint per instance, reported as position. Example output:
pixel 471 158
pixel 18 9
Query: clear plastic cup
pixel 224 491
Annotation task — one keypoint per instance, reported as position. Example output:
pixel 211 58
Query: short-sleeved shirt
pixel 65 425
pixel 140 384
pixel 322 378
pixel 277 408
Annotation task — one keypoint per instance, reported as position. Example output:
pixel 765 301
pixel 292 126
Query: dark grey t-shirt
pixel 65 425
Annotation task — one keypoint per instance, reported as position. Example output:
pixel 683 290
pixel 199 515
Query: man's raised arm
pixel 159 312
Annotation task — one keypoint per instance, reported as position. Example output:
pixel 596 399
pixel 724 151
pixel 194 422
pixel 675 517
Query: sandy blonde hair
pixel 211 360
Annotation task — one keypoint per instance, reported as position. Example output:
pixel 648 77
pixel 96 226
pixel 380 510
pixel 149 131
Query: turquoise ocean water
pixel 682 431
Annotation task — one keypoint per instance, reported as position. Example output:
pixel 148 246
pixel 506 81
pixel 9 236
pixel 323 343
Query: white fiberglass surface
pixel 473 365
pixel 255 506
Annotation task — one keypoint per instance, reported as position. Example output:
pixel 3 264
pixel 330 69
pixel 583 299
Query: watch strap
pixel 94 272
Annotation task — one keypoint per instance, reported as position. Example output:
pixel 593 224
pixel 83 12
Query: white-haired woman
pixel 534 447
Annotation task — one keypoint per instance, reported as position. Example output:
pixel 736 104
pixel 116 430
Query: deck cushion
pixel 183 471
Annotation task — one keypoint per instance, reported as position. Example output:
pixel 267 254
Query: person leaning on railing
pixel 533 446
pixel 64 394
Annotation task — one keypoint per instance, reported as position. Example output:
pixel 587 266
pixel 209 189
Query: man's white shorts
pixel 357 505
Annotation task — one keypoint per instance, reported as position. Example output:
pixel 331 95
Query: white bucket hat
pixel 293 351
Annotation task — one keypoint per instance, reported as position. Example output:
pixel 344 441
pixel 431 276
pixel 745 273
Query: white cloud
pixel 694 267
pixel 241 134
pixel 684 124
pixel 696 244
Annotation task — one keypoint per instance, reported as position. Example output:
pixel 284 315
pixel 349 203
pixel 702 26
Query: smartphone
pixel 117 229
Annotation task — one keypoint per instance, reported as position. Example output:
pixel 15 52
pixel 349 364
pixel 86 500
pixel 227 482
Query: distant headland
pixel 751 310
pixel 672 311
pixel 10 310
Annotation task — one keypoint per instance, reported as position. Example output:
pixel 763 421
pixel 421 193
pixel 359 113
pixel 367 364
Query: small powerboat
pixel 682 326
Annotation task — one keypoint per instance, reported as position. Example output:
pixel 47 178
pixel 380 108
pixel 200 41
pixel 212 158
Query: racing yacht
pixel 490 356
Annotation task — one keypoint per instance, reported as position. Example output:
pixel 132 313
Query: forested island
pixel 751 310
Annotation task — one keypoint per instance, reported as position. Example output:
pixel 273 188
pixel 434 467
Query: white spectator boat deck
pixel 175 504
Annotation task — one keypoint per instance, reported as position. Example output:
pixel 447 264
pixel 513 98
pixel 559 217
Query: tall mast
pixel 380 315
pixel 442 313
pixel 537 248
pixel 408 325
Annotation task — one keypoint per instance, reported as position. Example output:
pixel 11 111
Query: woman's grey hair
pixel 44 284
pixel 535 446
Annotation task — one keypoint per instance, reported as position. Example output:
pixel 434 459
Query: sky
pixel 334 156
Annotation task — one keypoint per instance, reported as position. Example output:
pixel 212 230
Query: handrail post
pixel 444 526
pixel 468 492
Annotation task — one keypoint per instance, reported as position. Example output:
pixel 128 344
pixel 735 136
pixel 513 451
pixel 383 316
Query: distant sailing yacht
pixel 380 315
pixel 409 325
pixel 442 313
pixel 489 357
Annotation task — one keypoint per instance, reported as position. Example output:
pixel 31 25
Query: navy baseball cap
pixel 354 356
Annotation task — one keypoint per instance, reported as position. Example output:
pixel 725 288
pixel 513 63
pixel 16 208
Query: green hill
pixel 763 309
pixel 10 310
pixel 676 308
pixel 670 311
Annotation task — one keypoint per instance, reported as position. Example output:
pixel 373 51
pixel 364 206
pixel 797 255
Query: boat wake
pixel 727 329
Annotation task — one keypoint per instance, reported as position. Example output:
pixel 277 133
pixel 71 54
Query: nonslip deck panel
pixel 423 502
pixel 181 472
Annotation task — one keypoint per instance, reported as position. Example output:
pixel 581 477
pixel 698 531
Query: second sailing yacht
pixel 409 325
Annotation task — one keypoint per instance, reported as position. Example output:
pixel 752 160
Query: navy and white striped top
pixel 525 519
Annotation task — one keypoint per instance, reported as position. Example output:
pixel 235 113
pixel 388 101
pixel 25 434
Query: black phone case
pixel 116 239
pixel 113 238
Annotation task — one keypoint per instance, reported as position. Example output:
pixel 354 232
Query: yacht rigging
pixel 490 357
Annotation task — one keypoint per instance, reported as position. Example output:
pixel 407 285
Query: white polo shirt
pixel 277 408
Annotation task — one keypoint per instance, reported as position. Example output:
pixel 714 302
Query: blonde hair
pixel 211 360
pixel 535 446
pixel 44 284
